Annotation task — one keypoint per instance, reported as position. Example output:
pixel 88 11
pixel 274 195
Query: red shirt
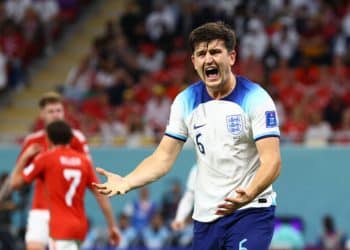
pixel 78 143
pixel 66 175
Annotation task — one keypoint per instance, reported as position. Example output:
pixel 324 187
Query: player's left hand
pixel 232 204
pixel 114 236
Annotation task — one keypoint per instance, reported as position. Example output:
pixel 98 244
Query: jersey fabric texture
pixel 191 179
pixel 66 174
pixel 246 229
pixel 78 143
pixel 224 132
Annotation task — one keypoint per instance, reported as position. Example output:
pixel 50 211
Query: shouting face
pixel 213 64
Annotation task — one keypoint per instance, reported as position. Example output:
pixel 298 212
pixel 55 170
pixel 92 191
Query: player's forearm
pixel 5 190
pixel 156 165
pixel 149 170
pixel 265 176
pixel 16 179
pixel 106 208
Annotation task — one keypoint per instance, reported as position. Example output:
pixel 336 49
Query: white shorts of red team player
pixel 38 226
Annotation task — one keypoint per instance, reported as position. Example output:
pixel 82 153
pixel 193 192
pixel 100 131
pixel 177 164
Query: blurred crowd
pixel 121 91
pixel 27 31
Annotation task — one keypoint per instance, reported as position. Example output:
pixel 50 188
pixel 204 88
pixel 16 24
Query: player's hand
pixel 114 236
pixel 114 185
pixel 177 225
pixel 232 204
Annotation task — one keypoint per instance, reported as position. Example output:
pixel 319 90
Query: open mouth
pixel 211 72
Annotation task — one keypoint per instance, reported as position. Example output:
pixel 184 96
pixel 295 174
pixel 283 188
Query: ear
pixel 41 113
pixel 192 59
pixel 232 56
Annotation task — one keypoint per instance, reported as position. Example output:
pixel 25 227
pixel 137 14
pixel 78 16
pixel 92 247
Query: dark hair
pixel 59 132
pixel 212 31
pixel 328 223
pixel 48 98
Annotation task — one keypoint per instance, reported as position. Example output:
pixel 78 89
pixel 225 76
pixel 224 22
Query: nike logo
pixel 198 126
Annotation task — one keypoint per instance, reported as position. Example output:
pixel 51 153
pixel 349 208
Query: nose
pixel 208 58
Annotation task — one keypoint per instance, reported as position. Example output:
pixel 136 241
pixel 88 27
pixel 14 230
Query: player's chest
pixel 220 121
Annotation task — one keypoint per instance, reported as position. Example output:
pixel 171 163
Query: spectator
pixel 16 9
pixel 254 41
pixel 286 39
pixel 157 110
pixel 331 238
pixel 113 129
pixel 287 237
pixel 141 210
pixel 156 235
pixel 333 110
pixel 319 132
pixel 150 59
pixel 170 200
pixel 295 126
pixel 342 135
pixel 48 11
pixel 3 72
pixel 12 45
pixel 7 207
pixel 128 234
pixel 79 81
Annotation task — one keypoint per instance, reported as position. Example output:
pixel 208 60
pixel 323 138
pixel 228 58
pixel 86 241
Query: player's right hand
pixel 177 225
pixel 115 184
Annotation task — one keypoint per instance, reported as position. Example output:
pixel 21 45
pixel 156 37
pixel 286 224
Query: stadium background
pixel 314 180
pixel 310 186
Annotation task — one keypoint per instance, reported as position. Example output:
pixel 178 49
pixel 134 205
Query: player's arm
pixel 268 171
pixel 16 179
pixel 103 202
pixel 150 169
pixel 270 166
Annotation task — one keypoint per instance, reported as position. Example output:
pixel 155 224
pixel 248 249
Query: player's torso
pixel 40 138
pixel 221 132
pixel 66 178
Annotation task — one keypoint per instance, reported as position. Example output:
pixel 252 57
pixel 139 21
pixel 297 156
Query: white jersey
pixel 191 179
pixel 224 132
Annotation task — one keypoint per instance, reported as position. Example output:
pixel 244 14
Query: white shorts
pixel 63 244
pixel 38 226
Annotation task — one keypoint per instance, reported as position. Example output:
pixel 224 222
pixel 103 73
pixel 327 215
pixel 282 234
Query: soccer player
pixel 234 125
pixel 65 174
pixel 186 203
pixel 37 232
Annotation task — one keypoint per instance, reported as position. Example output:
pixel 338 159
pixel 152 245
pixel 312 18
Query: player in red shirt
pixel 37 233
pixel 65 174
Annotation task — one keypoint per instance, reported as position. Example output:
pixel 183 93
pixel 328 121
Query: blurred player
pixel 234 125
pixel 185 206
pixel 65 174
pixel 51 109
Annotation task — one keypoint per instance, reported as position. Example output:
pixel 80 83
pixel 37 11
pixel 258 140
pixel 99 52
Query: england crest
pixel 234 124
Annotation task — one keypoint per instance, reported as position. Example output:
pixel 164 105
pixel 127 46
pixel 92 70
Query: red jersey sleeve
pixel 92 177
pixel 33 170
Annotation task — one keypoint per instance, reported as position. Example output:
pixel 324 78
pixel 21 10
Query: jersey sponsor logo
pixel 198 126
pixel 70 161
pixel 271 119
pixel 234 124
